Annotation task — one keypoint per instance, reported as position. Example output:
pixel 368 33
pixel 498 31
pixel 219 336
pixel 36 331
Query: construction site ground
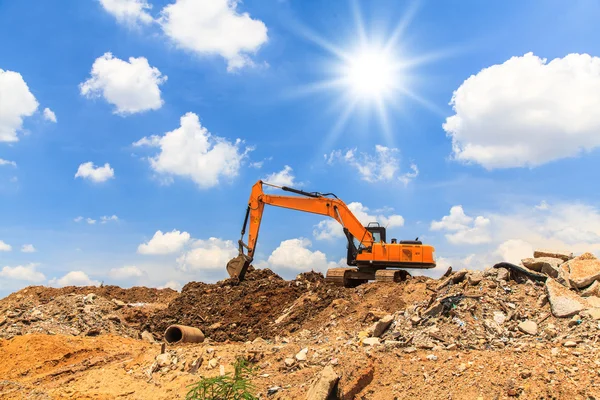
pixel 464 336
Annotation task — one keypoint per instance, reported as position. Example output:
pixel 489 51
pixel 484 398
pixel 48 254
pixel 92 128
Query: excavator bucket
pixel 237 266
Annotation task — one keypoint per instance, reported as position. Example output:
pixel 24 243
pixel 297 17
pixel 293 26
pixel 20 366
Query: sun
pixel 370 74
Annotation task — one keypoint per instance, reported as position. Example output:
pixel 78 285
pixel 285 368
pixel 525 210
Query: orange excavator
pixel 369 256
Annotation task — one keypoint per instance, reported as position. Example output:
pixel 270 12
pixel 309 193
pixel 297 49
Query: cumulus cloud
pixel 126 272
pixel 105 218
pixel 28 248
pixel 6 162
pixel 90 221
pixel 383 165
pixel 23 273
pixel 130 12
pixel 296 254
pixel 4 246
pixel 463 229
pixel 20 104
pixel 330 229
pixel 95 174
pixel 527 112
pixel 285 177
pixel 191 151
pixel 213 253
pixel 131 86
pixel 165 243
pixel 73 278
pixel 49 115
pixel 214 27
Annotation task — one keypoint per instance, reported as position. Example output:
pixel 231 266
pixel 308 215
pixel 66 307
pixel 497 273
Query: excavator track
pixel 348 277
pixel 391 275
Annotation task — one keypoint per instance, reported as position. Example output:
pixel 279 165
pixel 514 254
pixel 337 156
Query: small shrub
pixel 226 387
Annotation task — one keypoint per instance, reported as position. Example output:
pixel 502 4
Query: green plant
pixel 225 387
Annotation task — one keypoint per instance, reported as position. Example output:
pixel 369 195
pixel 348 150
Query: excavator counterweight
pixel 369 256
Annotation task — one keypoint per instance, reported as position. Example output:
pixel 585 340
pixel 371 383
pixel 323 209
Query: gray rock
pixel 503 275
pixel 563 302
pixel 563 255
pixel 289 362
pixel 301 356
pixel 323 386
pixel 381 326
pixel 499 317
pixel 540 264
pixel 570 343
pixel 528 327
pixel 474 278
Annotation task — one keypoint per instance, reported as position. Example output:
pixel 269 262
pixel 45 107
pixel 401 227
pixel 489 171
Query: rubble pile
pixel 79 311
pixel 263 305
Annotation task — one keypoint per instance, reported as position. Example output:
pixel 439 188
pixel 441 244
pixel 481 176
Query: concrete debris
pixel 302 354
pixel 324 385
pixel 371 341
pixel 563 302
pixel 592 290
pixel 289 362
pixel 538 264
pixel 528 327
pixel 563 255
pixel 147 336
pixel 164 359
pixel 503 275
pixel 381 326
pixel 474 278
pixel 583 273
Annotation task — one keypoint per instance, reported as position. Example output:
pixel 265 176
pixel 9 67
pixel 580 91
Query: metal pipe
pixel 183 334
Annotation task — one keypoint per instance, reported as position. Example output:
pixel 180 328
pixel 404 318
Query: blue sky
pixel 279 76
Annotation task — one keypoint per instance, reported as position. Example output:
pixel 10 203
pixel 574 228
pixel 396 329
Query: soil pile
pixel 262 305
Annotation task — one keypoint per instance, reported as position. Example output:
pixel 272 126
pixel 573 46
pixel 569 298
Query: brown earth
pixel 462 340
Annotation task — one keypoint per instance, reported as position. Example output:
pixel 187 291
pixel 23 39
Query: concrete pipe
pixel 183 334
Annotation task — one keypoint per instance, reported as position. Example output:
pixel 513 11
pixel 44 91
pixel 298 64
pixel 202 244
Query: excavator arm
pixel 311 202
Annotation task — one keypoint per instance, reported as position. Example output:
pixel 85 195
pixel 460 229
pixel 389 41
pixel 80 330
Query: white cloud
pixel 126 272
pixel 4 246
pixel 191 151
pixel 14 107
pixel 464 229
pixel 514 250
pixel 23 273
pixel 383 165
pixel 296 254
pixel 542 206
pixel 6 162
pixel 130 12
pixel 214 27
pixel 527 112
pixel 49 115
pixel 213 253
pixel 285 177
pixel 330 228
pixel 90 221
pixel 78 219
pixel 96 174
pixel 105 218
pixel 74 278
pixel 171 285
pixel 165 243
pixel 131 87
pixel 28 248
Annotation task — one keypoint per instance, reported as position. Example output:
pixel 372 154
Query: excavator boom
pixel 366 245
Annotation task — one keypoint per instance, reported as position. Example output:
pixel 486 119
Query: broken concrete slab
pixel 593 313
pixel 382 325
pixel 563 302
pixel 456 277
pixel 503 275
pixel 586 256
pixel 563 275
pixel 563 255
pixel 583 273
pixel 323 386
pixel 592 290
pixel 361 380
pixel 474 278
pixel 537 264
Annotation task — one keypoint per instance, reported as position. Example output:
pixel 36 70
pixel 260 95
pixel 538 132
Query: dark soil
pixel 239 311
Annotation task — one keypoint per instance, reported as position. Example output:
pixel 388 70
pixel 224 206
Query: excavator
pixel 369 255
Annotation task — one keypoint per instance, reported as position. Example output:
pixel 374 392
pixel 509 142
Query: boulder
pixel 323 386
pixel 474 278
pixel 147 336
pixel 563 275
pixel 583 273
pixel 537 264
pixel 381 326
pixel 593 313
pixel 528 327
pixel 563 302
pixel 593 302
pixel 592 290
pixel 586 256
pixel 164 359
pixel 503 275
pixel 550 269
pixel 563 255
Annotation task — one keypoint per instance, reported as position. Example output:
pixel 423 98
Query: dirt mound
pixel 137 294
pixel 262 305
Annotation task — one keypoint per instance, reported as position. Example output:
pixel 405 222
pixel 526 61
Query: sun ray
pixel 358 20
pixel 403 25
